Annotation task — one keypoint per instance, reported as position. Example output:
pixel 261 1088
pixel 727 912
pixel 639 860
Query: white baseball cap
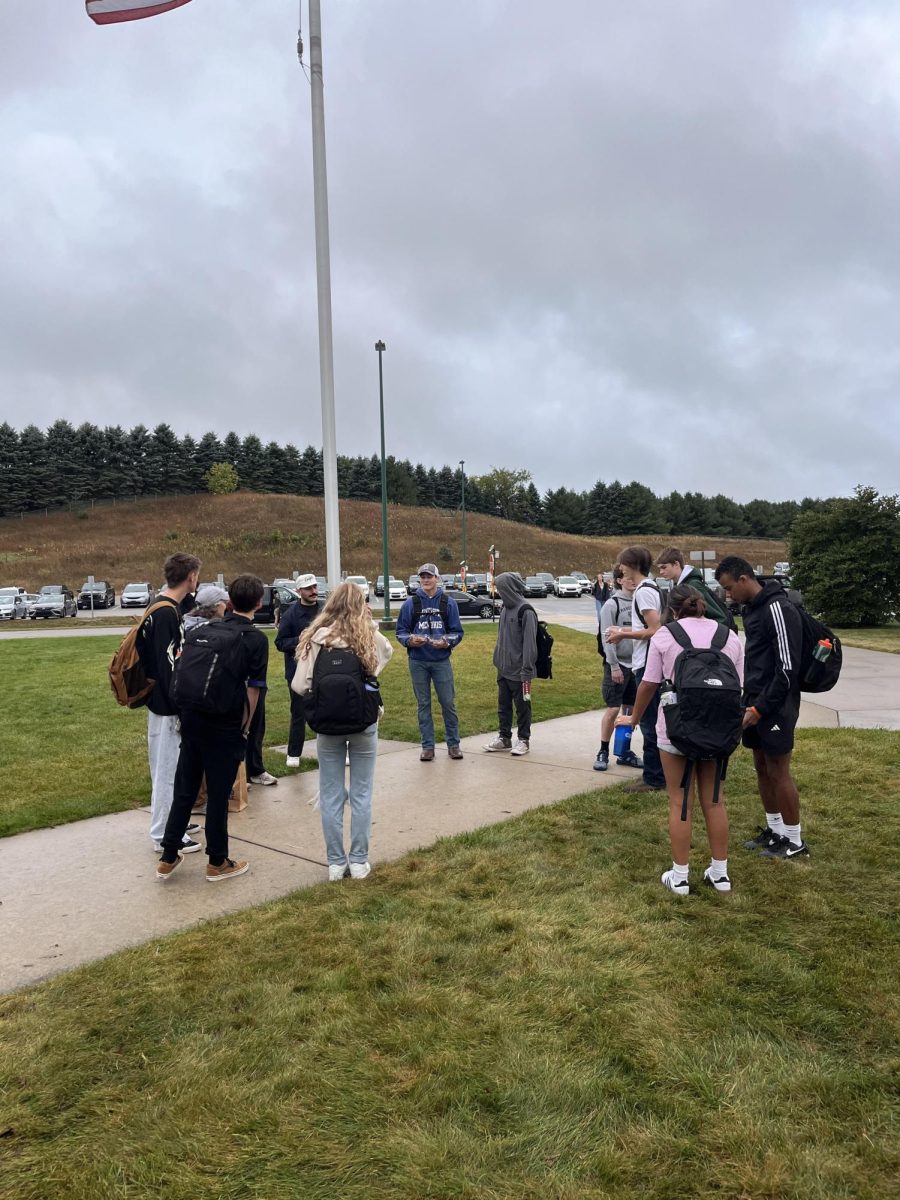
pixel 305 581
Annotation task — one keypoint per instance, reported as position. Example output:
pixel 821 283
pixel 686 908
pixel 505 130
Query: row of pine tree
pixel 68 466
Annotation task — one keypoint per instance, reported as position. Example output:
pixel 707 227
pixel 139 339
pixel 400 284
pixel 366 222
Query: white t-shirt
pixel 644 597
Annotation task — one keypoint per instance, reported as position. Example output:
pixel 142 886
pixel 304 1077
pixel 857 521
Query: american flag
pixel 110 12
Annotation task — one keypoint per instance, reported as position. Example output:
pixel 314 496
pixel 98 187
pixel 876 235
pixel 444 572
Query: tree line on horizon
pixel 68 466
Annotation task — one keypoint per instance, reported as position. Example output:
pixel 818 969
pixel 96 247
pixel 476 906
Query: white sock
pixel 718 867
pixel 681 872
pixel 792 833
pixel 775 823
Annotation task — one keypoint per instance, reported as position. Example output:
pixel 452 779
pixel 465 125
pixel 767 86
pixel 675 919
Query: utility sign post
pixel 91 586
pixel 701 556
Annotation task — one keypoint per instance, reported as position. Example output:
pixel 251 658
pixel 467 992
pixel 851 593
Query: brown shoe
pixel 454 752
pixel 427 754
pixel 228 870
pixel 164 869
pixel 639 786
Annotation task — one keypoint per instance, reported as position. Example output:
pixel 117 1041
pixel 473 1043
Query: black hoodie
pixel 772 653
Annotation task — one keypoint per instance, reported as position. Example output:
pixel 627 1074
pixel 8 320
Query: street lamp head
pixel 379 346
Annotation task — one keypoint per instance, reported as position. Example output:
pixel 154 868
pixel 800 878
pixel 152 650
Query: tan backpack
pixel 127 678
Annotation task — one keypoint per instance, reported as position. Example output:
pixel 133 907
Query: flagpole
pixel 323 282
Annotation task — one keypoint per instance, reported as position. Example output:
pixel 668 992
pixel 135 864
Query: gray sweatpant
pixel 163 745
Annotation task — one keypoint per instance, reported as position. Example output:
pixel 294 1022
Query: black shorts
pixel 774 735
pixel 617 694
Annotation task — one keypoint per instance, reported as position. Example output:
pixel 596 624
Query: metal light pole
pixel 462 473
pixel 323 283
pixel 386 622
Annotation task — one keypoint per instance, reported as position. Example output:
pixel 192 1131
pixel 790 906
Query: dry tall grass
pixel 274 535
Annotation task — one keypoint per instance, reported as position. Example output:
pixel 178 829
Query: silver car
pixel 136 595
pixel 13 605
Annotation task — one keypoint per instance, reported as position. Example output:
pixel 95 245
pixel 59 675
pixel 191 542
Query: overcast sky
pixel 657 239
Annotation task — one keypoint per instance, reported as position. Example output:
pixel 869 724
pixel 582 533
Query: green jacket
pixel 715 608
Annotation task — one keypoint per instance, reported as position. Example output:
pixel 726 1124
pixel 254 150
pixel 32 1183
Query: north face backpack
pixel 543 667
pixel 210 673
pixel 344 699
pixel 130 683
pixel 816 674
pixel 702 706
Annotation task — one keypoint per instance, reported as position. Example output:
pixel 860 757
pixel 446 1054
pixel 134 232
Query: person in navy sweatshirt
pixel 429 627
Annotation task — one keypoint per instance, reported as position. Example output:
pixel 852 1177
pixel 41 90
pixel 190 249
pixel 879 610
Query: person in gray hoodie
pixel 515 657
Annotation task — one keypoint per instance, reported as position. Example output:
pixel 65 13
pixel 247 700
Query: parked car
pixel 535 586
pixel 664 585
pixel 412 585
pixel 566 585
pixel 55 600
pixel 104 595
pixel 13 605
pixel 583 582
pixel 361 582
pixel 475 606
pixel 447 581
pixel 782 568
pixel 548 580
pixel 396 590
pixel 137 595
pixel 324 589
pixel 275 599
pixel 379 586
pixel 31 599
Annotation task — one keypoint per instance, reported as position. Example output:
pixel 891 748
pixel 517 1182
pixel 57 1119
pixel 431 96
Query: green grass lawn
pixel 68 751
pixel 882 637
pixel 519 1013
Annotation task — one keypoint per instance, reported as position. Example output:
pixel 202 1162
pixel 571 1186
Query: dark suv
pixel 275 600
pixel 103 593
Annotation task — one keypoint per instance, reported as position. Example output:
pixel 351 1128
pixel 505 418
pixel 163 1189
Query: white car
pixel 566 585
pixel 583 582
pixel 396 589
pixel 136 595
pixel 13 605
pixel 361 582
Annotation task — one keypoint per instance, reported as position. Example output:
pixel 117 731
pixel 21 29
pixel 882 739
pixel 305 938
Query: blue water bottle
pixel 622 740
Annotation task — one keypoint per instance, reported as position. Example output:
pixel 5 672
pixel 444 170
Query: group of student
pixel 209 673
pixel 641 645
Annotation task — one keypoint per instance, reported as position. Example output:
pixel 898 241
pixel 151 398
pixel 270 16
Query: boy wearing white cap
pixel 293 621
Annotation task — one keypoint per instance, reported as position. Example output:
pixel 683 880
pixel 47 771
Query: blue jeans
pixel 333 794
pixel 653 772
pixel 423 674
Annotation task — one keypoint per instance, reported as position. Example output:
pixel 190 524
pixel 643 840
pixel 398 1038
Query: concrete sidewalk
pixel 75 893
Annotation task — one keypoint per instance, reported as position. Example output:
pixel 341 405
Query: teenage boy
pixel 294 620
pixel 619 688
pixel 159 644
pixel 214 744
pixel 671 566
pixel 515 657
pixel 646 607
pixel 429 627
pixel 774 634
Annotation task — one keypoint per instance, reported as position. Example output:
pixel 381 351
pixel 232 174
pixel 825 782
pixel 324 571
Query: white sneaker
pixel 520 748
pixel 680 887
pixel 265 779
pixel 499 743
pixel 722 883
pixel 359 870
pixel 292 760
pixel 336 872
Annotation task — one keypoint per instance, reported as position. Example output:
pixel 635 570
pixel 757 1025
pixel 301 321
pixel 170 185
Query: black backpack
pixel 210 673
pixel 816 675
pixel 543 667
pixel 635 611
pixel 702 706
pixel 344 699
pixel 442 608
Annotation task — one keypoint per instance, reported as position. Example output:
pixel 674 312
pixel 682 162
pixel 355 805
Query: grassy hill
pixel 275 535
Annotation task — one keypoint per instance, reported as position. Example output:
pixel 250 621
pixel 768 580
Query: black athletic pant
pixel 297 732
pixel 254 760
pixel 217 753
pixel 509 692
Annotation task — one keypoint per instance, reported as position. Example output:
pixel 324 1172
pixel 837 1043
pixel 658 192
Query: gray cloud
pixel 643 240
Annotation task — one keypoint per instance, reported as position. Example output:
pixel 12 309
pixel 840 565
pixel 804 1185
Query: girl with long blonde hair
pixel 344 623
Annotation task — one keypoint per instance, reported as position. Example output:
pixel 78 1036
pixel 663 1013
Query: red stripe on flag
pixel 135 12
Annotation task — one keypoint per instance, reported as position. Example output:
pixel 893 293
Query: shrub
pixel 221 478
